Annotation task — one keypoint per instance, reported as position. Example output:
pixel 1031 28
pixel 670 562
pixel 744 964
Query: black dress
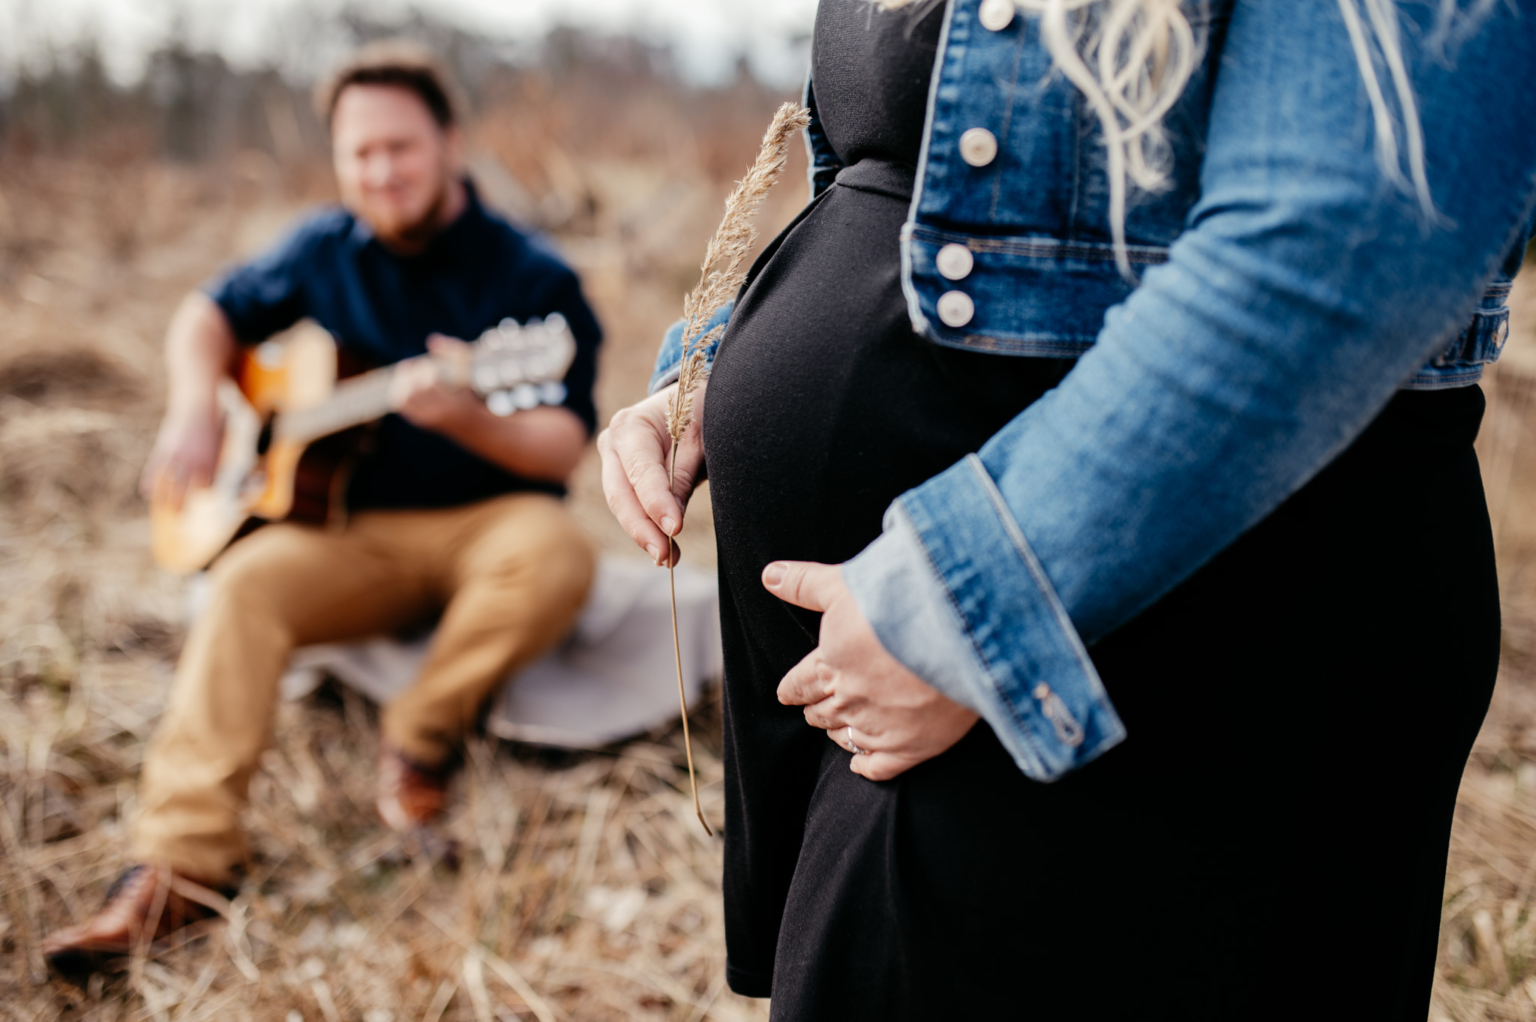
pixel 1269 841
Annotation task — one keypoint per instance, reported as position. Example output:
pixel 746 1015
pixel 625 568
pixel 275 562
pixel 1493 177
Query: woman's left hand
pixel 851 688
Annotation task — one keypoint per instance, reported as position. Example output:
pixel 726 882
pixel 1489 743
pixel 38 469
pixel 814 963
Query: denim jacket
pixel 1286 288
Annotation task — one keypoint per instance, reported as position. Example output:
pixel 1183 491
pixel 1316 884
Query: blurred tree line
pixel 193 106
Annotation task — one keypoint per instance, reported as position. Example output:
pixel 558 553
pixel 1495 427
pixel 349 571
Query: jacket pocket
pixel 1030 296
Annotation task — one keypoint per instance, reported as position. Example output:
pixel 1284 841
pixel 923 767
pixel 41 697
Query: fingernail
pixel 654 552
pixel 774 574
pixel 669 526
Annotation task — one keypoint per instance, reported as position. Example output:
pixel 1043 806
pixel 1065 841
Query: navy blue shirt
pixel 381 307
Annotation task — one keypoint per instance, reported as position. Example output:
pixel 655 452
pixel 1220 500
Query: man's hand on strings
pixel 862 697
pixel 423 392
pixel 185 455
pixel 635 448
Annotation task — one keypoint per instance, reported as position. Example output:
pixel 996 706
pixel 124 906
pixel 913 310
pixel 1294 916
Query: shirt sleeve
pixel 565 297
pixel 267 295
pixel 1305 290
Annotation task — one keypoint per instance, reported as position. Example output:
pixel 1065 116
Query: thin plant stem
pixel 720 277
pixel 677 652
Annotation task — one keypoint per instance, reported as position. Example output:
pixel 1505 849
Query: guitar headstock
pixel 520 365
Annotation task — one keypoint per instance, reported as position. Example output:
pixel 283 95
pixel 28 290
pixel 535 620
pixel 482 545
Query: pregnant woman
pixel 1092 464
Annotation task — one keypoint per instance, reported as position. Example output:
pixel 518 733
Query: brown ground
pixel 588 890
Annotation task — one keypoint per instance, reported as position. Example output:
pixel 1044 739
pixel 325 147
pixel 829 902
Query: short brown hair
pixel 397 62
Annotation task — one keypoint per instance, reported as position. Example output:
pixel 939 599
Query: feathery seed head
pixel 721 273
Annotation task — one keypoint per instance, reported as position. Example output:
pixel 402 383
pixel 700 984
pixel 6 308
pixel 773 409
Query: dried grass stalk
pixel 720 277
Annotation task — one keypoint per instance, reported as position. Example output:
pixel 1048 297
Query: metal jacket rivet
pixel 956 308
pixel 955 261
pixel 978 147
pixel 996 15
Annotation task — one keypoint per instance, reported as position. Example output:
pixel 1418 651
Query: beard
pixel 414 233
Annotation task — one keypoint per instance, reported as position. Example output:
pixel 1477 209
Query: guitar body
pixel 262 478
pixel 297 413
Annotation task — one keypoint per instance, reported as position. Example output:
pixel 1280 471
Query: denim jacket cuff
pixel 669 360
pixel 906 604
pixel 954 554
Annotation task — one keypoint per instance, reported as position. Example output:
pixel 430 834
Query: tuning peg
pixel 512 333
pixel 500 402
pixel 512 372
pixel 525 396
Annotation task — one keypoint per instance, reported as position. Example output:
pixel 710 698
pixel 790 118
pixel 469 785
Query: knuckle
pixel 634 471
pixel 650 488
pixel 855 685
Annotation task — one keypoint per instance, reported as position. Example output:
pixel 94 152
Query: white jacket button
pixel 978 147
pixel 956 308
pixel 955 261
pixel 996 15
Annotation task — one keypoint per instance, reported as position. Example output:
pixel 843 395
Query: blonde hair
pixel 1131 60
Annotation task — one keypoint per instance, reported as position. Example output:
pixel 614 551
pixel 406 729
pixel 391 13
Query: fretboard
pixel 355 401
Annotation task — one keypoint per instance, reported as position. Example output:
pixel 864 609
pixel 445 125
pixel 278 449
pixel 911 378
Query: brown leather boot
pixel 411 796
pixel 140 907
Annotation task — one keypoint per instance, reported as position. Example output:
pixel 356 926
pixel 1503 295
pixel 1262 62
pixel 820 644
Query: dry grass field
pixel 587 891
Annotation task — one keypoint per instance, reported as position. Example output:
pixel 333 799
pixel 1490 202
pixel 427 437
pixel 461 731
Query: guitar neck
pixel 355 401
pixel 507 356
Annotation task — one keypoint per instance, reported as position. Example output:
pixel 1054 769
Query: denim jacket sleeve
pixel 821 160
pixel 669 358
pixel 1304 290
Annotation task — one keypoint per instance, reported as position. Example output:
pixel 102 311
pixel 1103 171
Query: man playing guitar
pixel 452 508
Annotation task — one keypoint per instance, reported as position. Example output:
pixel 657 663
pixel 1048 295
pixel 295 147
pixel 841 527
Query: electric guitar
pixel 293 425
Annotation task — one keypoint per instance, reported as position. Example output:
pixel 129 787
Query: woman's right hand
pixel 634 448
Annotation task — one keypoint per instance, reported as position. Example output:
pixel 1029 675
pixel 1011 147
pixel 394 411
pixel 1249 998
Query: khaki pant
pixel 509 575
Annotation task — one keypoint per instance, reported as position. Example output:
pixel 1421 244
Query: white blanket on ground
pixel 613 677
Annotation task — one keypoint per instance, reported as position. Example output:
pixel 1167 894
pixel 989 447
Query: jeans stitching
pixel 1043 583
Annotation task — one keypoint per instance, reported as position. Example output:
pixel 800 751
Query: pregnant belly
pixel 824 405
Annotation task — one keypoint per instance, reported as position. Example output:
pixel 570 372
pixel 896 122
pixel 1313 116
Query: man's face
pixel 393 162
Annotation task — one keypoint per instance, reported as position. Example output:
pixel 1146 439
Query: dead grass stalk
pixel 720 277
